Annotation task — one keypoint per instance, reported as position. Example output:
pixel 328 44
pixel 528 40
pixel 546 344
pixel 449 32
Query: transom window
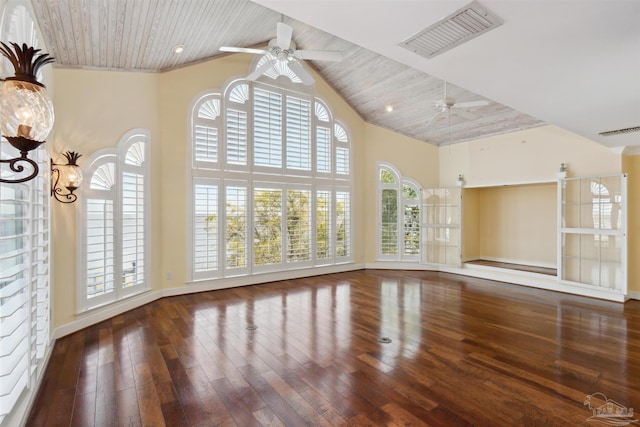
pixel 271 180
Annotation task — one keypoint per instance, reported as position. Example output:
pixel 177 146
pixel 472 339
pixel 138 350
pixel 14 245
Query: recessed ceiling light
pixel 178 49
pixel 389 108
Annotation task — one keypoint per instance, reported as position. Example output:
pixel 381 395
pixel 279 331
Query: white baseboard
pixel 517 277
pixel 91 317
pixel 633 295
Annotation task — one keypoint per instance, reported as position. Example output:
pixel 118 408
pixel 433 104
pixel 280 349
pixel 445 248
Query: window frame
pixel 238 95
pixel 401 202
pixel 117 157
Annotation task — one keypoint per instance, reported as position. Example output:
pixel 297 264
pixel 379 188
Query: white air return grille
pixel 459 27
pixel 620 131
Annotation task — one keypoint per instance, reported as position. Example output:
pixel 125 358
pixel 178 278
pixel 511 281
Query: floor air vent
pixel 620 131
pixel 459 27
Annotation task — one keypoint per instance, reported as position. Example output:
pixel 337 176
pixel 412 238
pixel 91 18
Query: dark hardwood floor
pixel 463 352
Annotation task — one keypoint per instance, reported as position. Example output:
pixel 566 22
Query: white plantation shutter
pixel 236 219
pixel 100 229
pixel 342 150
pixel 236 137
pixel 298 131
pixel 15 319
pixel 206 131
pixel 267 226
pixel 342 161
pixel 206 225
pixel 133 216
pixel 100 247
pixel 298 225
pixel 24 255
pixel 323 226
pixel 133 229
pixel 323 149
pixel 206 143
pixel 410 236
pixel 343 224
pixel 24 279
pixel 100 232
pixel 267 128
pixel 114 222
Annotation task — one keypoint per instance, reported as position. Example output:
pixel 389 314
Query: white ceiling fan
pixel 283 49
pixel 449 105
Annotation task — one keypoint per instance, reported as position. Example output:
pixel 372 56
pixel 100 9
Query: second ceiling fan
pixel 448 105
pixel 283 49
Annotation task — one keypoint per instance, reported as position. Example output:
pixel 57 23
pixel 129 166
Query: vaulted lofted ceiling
pixel 139 35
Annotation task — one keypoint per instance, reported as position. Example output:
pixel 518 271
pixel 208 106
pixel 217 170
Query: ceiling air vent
pixel 459 27
pixel 620 131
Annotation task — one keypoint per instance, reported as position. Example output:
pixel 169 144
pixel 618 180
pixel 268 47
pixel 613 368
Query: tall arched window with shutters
pixel 398 216
pixel 277 193
pixel 114 223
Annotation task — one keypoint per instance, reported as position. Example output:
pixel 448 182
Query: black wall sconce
pixel 27 111
pixel 67 177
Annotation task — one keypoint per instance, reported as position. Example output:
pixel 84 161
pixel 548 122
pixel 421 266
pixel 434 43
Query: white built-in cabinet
pixel 442 229
pixel 592 233
pixel 593 229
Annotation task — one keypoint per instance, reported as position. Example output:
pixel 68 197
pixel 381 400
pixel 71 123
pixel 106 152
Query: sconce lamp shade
pixel 26 112
pixel 70 174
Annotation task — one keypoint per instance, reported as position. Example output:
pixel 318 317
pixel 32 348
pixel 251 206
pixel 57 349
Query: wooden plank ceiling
pixel 139 35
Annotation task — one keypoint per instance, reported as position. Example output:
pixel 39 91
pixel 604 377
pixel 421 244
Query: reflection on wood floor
pixel 463 352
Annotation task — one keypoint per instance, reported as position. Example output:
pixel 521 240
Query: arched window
pixel 114 223
pixel 271 180
pixel 398 216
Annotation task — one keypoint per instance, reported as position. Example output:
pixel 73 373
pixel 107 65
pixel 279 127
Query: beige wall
pixel 471 224
pixel 631 166
pixel 94 109
pixel 532 155
pixel 512 224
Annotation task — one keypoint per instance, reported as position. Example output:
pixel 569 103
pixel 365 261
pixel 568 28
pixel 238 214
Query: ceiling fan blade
pixel 283 35
pixel 243 50
pixel 470 104
pixel 261 69
pixel 302 74
pixel 465 114
pixel 319 55
pixel 434 118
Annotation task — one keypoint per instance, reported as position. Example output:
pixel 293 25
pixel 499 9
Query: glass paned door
pixel 593 243
pixel 441 237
